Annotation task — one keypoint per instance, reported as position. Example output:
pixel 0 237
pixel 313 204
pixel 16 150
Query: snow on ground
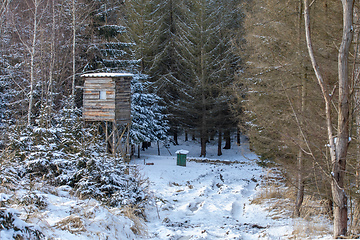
pixel 205 200
pixel 65 217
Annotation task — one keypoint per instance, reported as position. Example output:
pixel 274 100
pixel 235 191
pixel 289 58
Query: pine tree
pixel 164 66
pixel 140 30
pixel 148 123
pixel 209 54
pixel 108 52
pixel 170 55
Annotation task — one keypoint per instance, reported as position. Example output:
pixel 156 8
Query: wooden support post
pixel 114 139
pixel 106 138
pixel 128 150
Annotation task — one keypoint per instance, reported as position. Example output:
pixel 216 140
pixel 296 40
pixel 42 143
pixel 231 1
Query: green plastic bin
pixel 181 157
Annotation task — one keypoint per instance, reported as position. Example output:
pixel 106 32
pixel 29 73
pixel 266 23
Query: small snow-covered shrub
pixel 44 151
pixel 66 152
pixel 9 173
pixel 108 182
pixel 34 200
pixel 12 227
pixel 91 173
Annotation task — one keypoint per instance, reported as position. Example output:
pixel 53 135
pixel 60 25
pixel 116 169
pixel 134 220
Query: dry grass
pixel 270 192
pixel 280 200
pixel 354 225
pixel 138 227
pixel 312 208
pixel 272 188
pixel 72 223
pixel 306 229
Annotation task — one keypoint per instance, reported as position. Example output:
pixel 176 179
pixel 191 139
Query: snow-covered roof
pixel 107 75
pixel 181 152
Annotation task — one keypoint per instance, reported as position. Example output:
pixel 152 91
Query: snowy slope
pixel 205 200
pixel 65 217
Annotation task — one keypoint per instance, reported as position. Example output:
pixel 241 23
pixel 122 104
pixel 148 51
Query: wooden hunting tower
pixel 107 98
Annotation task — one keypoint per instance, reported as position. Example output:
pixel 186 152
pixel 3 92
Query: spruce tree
pixel 148 123
pixel 209 54
pixel 165 66
pixel 108 51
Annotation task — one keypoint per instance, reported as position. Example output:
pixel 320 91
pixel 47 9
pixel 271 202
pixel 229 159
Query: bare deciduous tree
pixel 32 51
pixel 73 13
pixel 338 146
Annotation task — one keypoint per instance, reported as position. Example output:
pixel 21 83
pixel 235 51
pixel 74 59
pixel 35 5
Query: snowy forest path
pixel 207 200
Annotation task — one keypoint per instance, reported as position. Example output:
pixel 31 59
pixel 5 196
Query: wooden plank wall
pixel 123 100
pixel 94 108
pixel 117 105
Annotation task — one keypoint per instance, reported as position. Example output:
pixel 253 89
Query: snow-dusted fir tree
pixel 205 33
pixel 228 63
pixel 108 52
pixel 141 30
pixel 148 119
pixel 166 68
pixel 111 53
pixel 153 28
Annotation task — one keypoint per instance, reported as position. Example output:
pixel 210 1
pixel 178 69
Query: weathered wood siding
pixel 116 106
pixel 94 108
pixel 123 100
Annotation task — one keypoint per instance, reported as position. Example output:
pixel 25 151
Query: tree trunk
pixel 358 149
pixel 338 150
pixel 219 143
pixel 203 140
pixel 32 62
pixel 73 53
pixel 49 100
pixel 300 177
pixel 158 147
pixel 357 92
pixel 143 146
pixel 238 137
pixel 300 186
pixel 176 138
pixel 227 139
pixel 339 163
pixel 203 146
pixel 139 150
